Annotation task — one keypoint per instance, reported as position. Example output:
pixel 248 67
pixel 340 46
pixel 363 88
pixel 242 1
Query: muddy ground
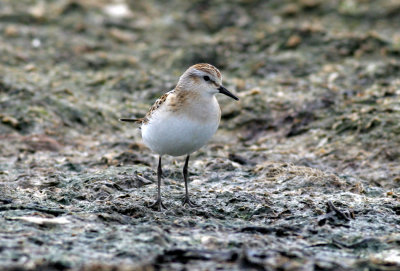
pixel 303 173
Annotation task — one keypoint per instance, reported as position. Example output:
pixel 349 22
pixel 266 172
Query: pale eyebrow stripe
pixel 195 74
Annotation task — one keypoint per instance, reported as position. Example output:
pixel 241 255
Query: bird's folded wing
pixel 153 108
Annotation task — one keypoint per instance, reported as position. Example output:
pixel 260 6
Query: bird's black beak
pixel 227 92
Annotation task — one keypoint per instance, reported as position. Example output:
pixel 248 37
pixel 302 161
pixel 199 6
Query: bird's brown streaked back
pixel 155 106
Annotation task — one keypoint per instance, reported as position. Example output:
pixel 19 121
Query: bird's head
pixel 204 79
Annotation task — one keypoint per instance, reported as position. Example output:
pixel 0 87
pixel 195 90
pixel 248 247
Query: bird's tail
pixel 132 120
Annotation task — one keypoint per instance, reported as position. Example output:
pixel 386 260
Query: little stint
pixel 184 119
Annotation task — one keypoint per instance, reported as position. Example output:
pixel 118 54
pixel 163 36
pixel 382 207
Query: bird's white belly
pixel 177 135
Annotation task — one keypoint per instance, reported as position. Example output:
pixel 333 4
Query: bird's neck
pixel 201 106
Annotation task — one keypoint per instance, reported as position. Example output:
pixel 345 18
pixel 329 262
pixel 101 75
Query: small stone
pixel 42 142
pixel 117 10
pixel 121 36
pixel 290 9
pixel 30 67
pixel 11 31
pixel 36 43
pixel 9 120
pixel 293 41
pixel 309 3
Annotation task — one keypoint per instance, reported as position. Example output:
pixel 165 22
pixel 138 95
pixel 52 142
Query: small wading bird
pixel 184 119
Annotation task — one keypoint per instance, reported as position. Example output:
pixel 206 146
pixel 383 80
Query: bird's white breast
pixel 175 133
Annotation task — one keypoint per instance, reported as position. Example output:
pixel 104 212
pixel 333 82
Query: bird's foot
pixel 158 205
pixel 187 201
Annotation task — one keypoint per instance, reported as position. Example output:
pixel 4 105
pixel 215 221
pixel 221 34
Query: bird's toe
pixel 158 205
pixel 187 201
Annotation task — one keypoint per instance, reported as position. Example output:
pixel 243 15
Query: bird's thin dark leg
pixel 185 176
pixel 158 204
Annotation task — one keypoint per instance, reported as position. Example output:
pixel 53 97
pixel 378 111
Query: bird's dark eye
pixel 206 78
